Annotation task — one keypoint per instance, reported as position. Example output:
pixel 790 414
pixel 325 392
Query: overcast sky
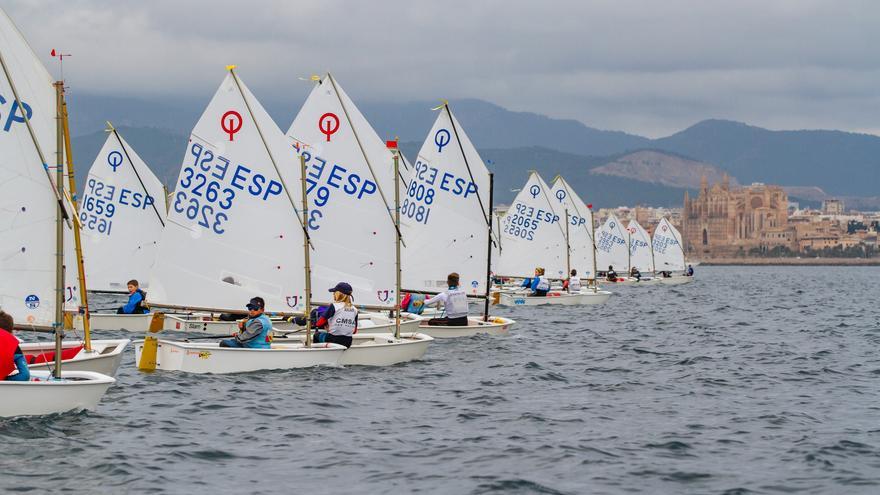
pixel 646 67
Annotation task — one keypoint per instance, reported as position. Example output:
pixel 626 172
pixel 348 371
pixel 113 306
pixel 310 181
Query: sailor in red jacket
pixel 11 357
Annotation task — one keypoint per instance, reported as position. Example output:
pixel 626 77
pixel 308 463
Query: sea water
pixel 749 380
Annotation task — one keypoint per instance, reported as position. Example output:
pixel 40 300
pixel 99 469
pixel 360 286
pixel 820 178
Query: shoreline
pixel 791 262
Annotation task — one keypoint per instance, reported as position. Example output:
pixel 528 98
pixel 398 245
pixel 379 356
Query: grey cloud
pixel 640 66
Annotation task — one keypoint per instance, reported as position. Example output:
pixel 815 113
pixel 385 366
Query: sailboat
pixel 580 225
pixel 669 253
pixel 612 249
pixel 447 223
pixel 641 254
pixel 233 232
pixel 35 212
pixel 352 179
pixel 534 233
pixel 122 216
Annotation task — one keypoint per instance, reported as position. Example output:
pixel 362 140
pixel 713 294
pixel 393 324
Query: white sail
pixel 580 226
pixel 668 253
pixel 122 212
pixel 532 234
pixel 445 212
pixel 611 246
pixel 232 232
pixel 640 254
pixel 350 176
pixel 27 200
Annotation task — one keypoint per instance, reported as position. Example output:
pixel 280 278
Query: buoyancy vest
pixel 456 303
pixel 543 283
pixel 141 307
pixel 416 304
pixel 574 284
pixel 344 320
pixel 8 345
pixel 264 339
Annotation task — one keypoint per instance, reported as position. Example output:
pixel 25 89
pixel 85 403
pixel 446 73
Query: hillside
pixel 657 167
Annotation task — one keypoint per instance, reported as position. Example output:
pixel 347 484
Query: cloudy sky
pixel 646 67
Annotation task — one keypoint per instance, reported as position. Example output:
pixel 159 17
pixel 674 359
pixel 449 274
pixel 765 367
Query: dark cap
pixel 343 287
pixel 256 303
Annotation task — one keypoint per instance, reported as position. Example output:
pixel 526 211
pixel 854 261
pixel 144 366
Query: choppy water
pixel 750 380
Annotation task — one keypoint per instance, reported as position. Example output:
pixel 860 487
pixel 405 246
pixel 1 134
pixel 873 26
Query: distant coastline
pixel 791 261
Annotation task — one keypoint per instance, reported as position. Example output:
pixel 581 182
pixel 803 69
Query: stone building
pixel 723 222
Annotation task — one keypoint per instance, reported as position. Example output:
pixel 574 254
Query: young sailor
pixel 539 283
pixel 11 357
pixel 690 271
pixel 611 276
pixel 573 284
pixel 455 303
pixel 339 321
pixel 255 331
pixel 137 301
pixel 635 273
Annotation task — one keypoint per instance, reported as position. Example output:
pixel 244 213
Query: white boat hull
pixel 556 298
pixel 77 390
pixel 105 358
pixel 379 349
pixel 676 280
pixel 114 322
pixel 495 326
pixel 211 358
pixel 205 324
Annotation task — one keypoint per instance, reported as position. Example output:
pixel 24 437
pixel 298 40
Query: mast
pixel 593 240
pixel 567 247
pixel 77 238
pixel 307 264
pixel 59 229
pixel 489 249
pixel 629 244
pixel 397 243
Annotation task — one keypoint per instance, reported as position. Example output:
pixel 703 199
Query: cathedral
pixel 725 222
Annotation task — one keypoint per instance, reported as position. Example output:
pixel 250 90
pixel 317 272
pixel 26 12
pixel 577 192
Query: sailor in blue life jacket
pixel 137 301
pixel 11 357
pixel 573 284
pixel 611 275
pixel 338 321
pixel 539 284
pixel 690 271
pixel 255 332
pixel 454 303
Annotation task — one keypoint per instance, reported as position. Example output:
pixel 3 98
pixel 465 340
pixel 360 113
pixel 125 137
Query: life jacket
pixel 344 320
pixel 141 307
pixel 543 283
pixel 264 340
pixel 8 346
pixel 415 304
pixel 574 284
pixel 456 303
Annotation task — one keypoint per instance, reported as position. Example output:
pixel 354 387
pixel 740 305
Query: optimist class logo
pixel 560 195
pixel 231 123
pixel 441 139
pixel 328 124
pixel 535 191
pixel 114 159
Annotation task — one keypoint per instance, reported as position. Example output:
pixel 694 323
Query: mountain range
pixel 608 168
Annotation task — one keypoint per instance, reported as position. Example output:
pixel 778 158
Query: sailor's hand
pixel 240 324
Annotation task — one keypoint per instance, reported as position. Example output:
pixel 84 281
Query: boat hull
pixel 495 326
pixel 555 298
pixel 114 322
pixel 211 358
pixel 379 349
pixel 77 390
pixel 105 358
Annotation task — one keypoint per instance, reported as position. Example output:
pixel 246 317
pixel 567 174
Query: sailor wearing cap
pixel 340 320
pixel 255 331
